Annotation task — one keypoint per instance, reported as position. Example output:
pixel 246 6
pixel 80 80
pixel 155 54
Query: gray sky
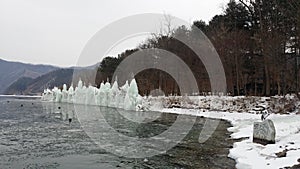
pixel 55 31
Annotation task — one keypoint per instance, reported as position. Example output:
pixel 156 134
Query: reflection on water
pixel 112 131
pixel 41 135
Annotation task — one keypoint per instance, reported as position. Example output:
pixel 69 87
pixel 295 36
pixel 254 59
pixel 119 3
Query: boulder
pixel 264 132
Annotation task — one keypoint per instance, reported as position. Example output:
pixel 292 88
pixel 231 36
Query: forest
pixel 257 41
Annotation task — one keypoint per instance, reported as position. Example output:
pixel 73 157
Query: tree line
pixel 257 41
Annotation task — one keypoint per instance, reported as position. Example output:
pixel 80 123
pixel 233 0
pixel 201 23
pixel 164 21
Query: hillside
pixel 19 86
pixel 29 86
pixel 35 86
pixel 10 72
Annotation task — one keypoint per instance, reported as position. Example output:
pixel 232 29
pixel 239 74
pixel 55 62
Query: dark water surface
pixel 35 134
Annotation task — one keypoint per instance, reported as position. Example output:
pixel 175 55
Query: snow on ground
pixel 276 104
pixel 251 155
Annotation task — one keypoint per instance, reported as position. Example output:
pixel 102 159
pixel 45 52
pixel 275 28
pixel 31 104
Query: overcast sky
pixel 55 31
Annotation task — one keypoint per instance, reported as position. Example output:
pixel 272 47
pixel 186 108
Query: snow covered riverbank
pixel 276 104
pixel 252 155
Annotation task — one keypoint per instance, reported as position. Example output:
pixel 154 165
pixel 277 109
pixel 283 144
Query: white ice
pixel 125 97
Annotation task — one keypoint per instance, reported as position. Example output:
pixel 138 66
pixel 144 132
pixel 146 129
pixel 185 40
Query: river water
pixel 35 134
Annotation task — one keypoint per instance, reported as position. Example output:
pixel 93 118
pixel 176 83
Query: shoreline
pixel 21 96
pixel 252 155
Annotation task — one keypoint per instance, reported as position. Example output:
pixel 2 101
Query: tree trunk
pixel 267 79
pixel 278 88
pixel 237 75
pixel 255 87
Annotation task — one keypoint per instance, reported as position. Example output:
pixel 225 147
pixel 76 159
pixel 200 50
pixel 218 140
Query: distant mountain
pixel 11 72
pixel 87 67
pixel 29 86
pixel 19 86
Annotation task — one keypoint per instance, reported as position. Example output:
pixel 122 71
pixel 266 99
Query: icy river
pixel 35 134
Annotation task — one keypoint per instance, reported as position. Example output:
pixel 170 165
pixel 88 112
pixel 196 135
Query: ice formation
pixel 125 97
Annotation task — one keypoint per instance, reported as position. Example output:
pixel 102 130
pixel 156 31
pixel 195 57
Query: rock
pixel 290 107
pixel 264 132
pixel 281 154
